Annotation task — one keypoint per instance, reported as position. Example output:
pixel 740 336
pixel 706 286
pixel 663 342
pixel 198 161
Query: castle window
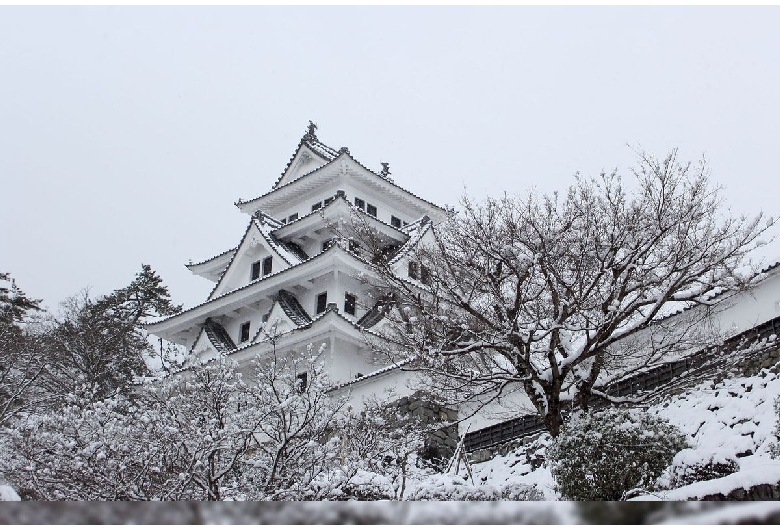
pixel 349 303
pixel 292 218
pixel 267 265
pixel 302 381
pixel 255 270
pixel 354 246
pixel 395 221
pixel 425 274
pixel 322 303
pixel 316 206
pixel 244 332
pixel 413 270
pixel 371 209
pixel 360 203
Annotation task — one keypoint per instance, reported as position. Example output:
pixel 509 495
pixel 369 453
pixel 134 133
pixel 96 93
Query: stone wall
pixel 441 443
pixel 765 359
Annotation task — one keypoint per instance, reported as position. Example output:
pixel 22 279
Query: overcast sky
pixel 126 134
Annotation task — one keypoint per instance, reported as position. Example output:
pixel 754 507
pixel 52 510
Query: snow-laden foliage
pixel 607 454
pixel 774 449
pixel 688 467
pixel 455 488
pixel 210 433
pixel 543 292
pixel 379 452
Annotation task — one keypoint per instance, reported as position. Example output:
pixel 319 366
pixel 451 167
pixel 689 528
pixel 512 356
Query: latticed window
pixel 255 270
pixel 267 265
pixel 322 302
pixel 244 336
pixel 349 303
pixel 413 270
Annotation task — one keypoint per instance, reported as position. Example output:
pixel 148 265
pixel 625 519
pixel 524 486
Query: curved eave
pixel 339 207
pixel 320 264
pixel 212 268
pixel 282 195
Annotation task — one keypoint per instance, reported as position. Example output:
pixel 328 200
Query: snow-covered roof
pixel 231 297
pixel 330 157
pixel 339 202
pixel 310 141
pixel 416 231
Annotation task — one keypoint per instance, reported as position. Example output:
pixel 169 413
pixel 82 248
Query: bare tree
pixel 546 291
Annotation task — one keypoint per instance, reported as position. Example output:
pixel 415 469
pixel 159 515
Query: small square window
pixel 255 270
pixel 349 303
pixel 360 203
pixel 302 381
pixel 316 206
pixel 413 271
pixel 371 209
pixel 292 218
pixel 322 303
pixel 328 201
pixel 267 265
pixel 425 274
pixel 395 221
pixel 244 332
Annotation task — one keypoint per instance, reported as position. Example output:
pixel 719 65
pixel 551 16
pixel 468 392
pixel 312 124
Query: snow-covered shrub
pixel 688 467
pixel 604 455
pixel 455 488
pixel 774 449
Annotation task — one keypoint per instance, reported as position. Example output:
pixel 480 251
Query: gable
pixel 255 247
pixel 306 159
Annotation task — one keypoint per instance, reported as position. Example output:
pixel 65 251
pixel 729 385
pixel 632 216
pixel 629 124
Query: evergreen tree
pixel 101 341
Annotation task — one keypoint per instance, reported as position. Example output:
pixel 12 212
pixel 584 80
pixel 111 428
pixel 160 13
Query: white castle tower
pixel 294 276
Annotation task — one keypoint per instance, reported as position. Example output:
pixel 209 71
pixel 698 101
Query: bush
pixel 774 449
pixel 688 468
pixel 454 488
pixel 604 455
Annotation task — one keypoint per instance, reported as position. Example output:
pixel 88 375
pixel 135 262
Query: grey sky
pixel 127 134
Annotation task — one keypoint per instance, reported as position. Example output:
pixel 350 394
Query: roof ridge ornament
pixel 385 169
pixel 344 150
pixel 311 133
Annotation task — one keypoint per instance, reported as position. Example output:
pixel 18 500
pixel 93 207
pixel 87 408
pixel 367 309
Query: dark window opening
pixel 349 303
pixel 413 273
pixel 244 332
pixel 265 317
pixel 316 206
pixel 371 209
pixel 360 203
pixel 292 218
pixel 425 274
pixel 354 246
pixel 322 302
pixel 267 265
pixel 328 201
pixel 255 270
pixel 302 381
pixel 395 221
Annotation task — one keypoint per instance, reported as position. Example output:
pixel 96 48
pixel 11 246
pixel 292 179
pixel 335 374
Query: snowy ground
pixel 733 419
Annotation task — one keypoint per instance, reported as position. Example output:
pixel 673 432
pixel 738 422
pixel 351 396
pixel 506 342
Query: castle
pixel 296 277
